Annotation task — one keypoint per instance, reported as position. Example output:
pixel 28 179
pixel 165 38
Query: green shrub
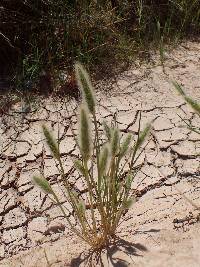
pixel 53 34
pixel 107 169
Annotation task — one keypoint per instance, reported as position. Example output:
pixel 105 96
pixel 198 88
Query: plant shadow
pixel 94 257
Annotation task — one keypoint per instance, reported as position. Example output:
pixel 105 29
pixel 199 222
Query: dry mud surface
pixel 162 228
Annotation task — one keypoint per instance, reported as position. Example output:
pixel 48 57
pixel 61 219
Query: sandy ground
pixel 162 228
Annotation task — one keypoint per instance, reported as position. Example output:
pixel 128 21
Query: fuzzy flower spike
pixel 85 86
pixel 85 139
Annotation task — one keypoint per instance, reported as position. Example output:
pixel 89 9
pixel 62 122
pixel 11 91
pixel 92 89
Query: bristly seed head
pixel 85 139
pixel 194 104
pixel 43 184
pixel 178 88
pixel 115 142
pixel 125 145
pixel 107 130
pixel 51 142
pixel 143 135
pixel 103 160
pixel 128 182
pixel 86 87
pixel 129 202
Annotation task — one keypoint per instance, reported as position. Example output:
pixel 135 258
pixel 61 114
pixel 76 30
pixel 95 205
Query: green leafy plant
pixel 106 165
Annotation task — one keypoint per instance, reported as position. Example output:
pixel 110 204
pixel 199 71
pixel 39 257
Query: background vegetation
pixel 40 37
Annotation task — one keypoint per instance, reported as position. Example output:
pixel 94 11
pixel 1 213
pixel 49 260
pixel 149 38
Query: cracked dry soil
pixel 161 229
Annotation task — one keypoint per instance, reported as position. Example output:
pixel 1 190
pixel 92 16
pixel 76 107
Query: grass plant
pixel 161 47
pixel 196 107
pixel 106 166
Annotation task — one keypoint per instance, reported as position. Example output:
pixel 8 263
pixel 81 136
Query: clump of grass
pixel 193 104
pixel 196 107
pixel 106 167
